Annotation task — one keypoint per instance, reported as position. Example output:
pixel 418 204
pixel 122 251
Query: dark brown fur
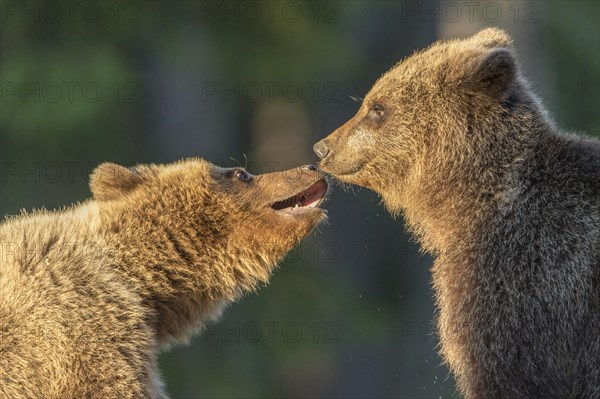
pixel 90 295
pixel 454 138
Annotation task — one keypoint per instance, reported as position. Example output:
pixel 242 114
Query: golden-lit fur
pixel 91 294
pixel 453 138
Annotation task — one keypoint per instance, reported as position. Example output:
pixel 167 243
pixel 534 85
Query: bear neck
pixel 457 191
pixel 185 273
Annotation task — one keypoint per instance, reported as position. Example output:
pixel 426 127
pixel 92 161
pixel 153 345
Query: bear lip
pixel 346 173
pixel 308 198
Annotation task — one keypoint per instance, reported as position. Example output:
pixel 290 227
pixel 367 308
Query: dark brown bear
pixel 454 138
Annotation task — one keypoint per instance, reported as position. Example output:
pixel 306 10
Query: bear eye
pixel 242 175
pixel 377 111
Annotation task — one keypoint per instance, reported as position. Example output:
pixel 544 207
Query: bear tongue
pixel 309 198
pixel 315 193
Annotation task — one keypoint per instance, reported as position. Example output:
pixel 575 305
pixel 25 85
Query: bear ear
pixel 491 71
pixel 110 181
pixel 491 38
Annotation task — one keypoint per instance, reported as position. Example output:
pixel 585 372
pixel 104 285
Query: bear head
pixel 431 116
pixel 200 231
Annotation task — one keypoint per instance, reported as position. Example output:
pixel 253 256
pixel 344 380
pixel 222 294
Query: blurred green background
pixel 350 312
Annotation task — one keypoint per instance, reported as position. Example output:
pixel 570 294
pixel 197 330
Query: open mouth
pixel 309 198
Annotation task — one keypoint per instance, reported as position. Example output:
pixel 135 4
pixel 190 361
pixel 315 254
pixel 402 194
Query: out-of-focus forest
pixel 350 312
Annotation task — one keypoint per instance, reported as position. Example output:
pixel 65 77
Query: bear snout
pixel 321 149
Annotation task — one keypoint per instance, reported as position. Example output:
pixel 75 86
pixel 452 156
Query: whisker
pixel 237 163
pixel 356 99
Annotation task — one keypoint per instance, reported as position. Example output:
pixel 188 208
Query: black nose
pixel 311 167
pixel 321 149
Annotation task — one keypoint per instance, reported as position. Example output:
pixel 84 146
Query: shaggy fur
pixel 91 294
pixel 454 138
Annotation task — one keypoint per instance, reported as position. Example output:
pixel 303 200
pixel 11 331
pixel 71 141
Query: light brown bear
pixel 454 138
pixel 91 294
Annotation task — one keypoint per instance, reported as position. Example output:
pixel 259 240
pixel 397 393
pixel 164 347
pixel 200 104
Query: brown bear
pixel 454 138
pixel 89 295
